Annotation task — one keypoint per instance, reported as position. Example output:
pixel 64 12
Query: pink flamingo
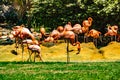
pixel 112 31
pixel 60 29
pixel 21 33
pixel 54 35
pixel 43 33
pixel 49 39
pixel 77 29
pixel 70 37
pixel 85 26
pixel 35 49
pixel 68 26
pixel 95 35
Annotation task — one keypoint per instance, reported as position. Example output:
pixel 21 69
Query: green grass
pixel 60 71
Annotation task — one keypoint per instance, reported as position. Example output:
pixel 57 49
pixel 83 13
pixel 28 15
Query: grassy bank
pixel 59 71
pixel 57 53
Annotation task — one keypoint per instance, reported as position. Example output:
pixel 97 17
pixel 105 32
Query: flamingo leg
pixel 100 37
pixel 16 47
pixel 68 57
pixel 39 54
pixel 115 38
pixel 76 37
pixel 16 44
pixel 29 59
pixel 22 50
pixel 78 46
pixel 95 42
pixel 34 55
pixel 85 38
pixel 111 38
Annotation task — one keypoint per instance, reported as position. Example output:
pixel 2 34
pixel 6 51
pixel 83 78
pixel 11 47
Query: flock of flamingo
pixel 68 32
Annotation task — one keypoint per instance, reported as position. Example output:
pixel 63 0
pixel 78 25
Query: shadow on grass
pixel 14 52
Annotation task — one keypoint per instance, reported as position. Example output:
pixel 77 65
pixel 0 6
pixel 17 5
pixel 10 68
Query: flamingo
pixel 43 33
pixel 49 39
pixel 95 34
pixel 77 29
pixel 54 35
pixel 60 29
pixel 68 26
pixel 112 31
pixel 20 32
pixel 70 37
pixel 35 49
pixel 87 23
pixel 85 26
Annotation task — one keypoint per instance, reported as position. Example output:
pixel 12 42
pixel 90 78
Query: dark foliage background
pixel 52 13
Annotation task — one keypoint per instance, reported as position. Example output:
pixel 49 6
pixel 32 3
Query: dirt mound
pixel 58 53
pixel 111 51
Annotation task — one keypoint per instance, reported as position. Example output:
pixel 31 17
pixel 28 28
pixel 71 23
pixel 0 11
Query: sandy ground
pixel 58 53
